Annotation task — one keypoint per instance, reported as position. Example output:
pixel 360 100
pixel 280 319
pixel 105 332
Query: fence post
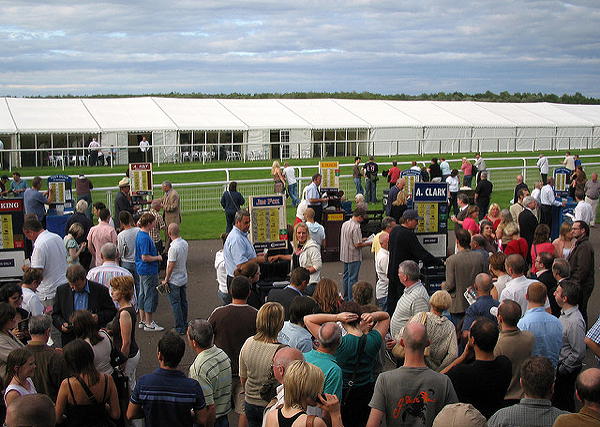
pixel 227 174
pixel 524 170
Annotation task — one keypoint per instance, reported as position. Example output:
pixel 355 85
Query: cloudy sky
pixel 397 46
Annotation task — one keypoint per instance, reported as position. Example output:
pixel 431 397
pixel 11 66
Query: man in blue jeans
pixel 292 183
pixel 176 277
pixel 351 242
pixel 146 263
pixel 357 176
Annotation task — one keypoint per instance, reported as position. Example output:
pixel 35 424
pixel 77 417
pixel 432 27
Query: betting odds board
pixel 140 178
pixel 411 176
pixel 330 171
pixel 268 225
pixel 61 194
pixel 561 182
pixel 431 202
pixel 12 243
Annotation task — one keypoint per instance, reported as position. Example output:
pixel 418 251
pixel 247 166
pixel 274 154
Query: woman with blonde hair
pixel 74 249
pixel 307 253
pixel 399 205
pixel 517 244
pixel 303 385
pixel 327 296
pixel 564 243
pixel 278 178
pixel 505 219
pixel 493 215
pixel 443 347
pixel 256 358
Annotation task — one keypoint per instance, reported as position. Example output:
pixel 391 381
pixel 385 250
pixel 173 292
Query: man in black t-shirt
pixel 484 382
pixel 371 171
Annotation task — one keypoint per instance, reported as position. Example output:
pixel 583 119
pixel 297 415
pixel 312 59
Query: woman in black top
pixel 13 295
pixel 123 325
pixel 88 398
pixel 231 201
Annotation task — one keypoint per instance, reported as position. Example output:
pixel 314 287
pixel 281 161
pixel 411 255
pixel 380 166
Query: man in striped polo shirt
pixel 212 369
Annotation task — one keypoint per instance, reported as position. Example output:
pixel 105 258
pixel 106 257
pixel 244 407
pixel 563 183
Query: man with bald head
pixel 592 193
pixel 281 360
pixel 323 357
pixel 587 390
pixel 176 277
pixel 546 328
pixel 412 394
pixel 481 307
pixel 36 410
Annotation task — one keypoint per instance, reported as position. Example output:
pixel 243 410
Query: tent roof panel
pixel 520 116
pixel 34 115
pixel 377 113
pixel 195 114
pixel 128 114
pixel 590 113
pixel 7 125
pixel 264 114
pixel 556 115
pixel 324 113
pixel 478 116
pixel 429 114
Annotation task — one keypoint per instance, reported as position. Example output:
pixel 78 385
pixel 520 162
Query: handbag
pixel 117 358
pixel 398 351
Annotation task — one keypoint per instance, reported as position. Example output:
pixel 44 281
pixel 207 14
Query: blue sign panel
pixel 267 201
pixel 430 192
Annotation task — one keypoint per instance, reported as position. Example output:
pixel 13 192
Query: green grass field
pixel 205 219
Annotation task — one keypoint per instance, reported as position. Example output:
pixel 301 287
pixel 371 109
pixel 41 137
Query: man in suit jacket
pixel 581 260
pixel 543 263
pixel 461 270
pixel 404 245
pixel 463 207
pixel 528 222
pixel 80 294
pixel 298 282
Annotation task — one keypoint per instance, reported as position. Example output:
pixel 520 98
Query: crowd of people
pixel 502 343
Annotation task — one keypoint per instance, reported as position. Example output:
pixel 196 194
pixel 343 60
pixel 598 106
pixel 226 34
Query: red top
pixel 538 249
pixel 469 224
pixel 518 246
pixel 494 223
pixel 393 174
pixel 467 168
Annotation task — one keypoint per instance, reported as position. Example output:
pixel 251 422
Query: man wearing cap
pixel 404 245
pixel 351 242
pixel 123 200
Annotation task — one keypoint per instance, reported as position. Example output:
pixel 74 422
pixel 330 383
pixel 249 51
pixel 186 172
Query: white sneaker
pixel 153 327
pixel 141 325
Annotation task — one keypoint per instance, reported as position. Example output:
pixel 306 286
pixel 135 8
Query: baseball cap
pixel 459 414
pixel 411 214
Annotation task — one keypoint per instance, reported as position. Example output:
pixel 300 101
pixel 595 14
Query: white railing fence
pixel 206 196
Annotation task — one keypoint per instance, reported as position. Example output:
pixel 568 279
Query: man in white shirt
pixel 108 269
pixel 583 211
pixel 313 196
pixel 49 255
pixel 290 176
pixel 176 278
pixel 569 162
pixel 94 148
pixel 547 200
pixel 144 147
pixel 516 288
pixel 382 259
pixel 31 302
pixel 222 291
pixel 543 166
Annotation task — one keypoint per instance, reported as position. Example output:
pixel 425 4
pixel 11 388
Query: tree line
pixel 487 96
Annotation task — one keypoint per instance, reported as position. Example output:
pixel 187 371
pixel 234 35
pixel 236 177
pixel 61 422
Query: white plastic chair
pixel 185 155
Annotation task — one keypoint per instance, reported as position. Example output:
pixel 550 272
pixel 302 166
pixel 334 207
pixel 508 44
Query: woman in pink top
pixel 470 222
pixel 541 243
pixel 467 169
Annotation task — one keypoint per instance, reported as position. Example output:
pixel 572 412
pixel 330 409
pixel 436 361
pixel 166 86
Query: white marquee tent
pixel 300 125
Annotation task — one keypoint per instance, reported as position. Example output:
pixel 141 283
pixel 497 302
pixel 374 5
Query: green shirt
pixel 212 369
pixel 333 373
pixel 346 357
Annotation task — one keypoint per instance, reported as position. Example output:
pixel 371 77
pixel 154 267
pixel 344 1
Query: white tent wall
pixel 392 141
pixel 533 138
pixel 300 143
pixel 119 140
pixel 163 146
pixel 258 140
pixel 445 139
pixel 573 138
pixel 590 113
pixel 7 124
pixel 491 140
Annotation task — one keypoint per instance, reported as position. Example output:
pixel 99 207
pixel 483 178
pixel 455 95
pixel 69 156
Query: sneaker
pixel 153 327
pixel 141 325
